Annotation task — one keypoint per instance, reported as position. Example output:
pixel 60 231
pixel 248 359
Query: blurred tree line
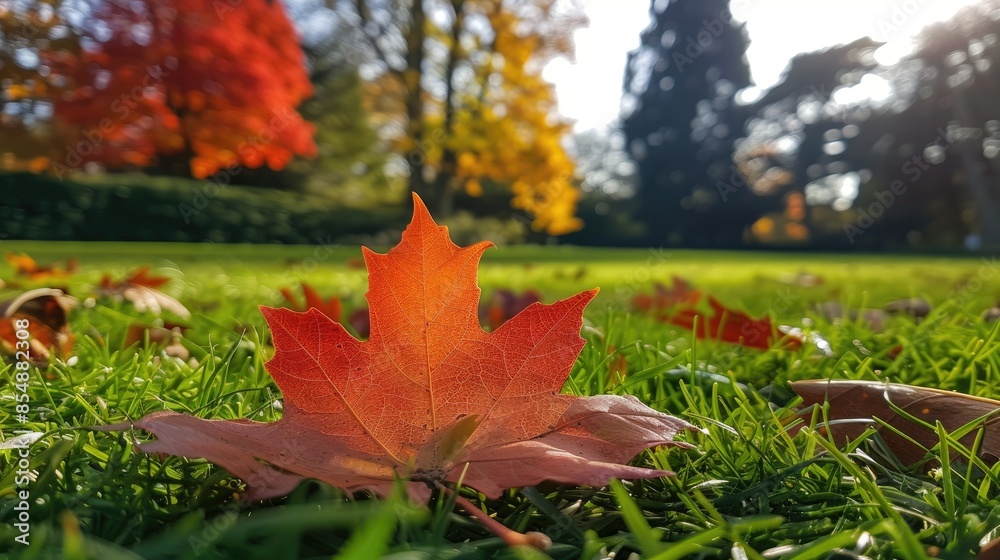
pixel 373 98
pixel 359 102
pixel 841 153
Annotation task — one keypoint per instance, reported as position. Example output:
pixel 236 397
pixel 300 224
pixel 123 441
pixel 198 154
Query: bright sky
pixel 589 91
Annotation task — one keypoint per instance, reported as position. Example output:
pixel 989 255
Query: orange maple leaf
pixel 429 395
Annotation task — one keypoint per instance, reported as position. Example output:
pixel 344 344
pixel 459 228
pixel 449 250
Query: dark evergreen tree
pixel 941 140
pixel 681 123
pixel 797 150
pixel 927 155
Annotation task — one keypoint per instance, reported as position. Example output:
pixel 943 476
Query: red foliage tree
pixel 214 82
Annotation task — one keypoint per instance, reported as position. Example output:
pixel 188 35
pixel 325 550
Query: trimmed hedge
pixel 44 208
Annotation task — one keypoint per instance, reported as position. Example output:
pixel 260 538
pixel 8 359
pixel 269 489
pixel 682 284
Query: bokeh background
pixel 862 125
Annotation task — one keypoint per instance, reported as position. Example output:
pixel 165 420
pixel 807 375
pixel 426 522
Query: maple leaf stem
pixel 511 537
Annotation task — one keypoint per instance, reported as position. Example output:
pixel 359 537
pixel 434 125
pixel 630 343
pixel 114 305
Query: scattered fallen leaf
pixel 665 299
pixel 874 319
pixel 330 307
pixel 26 266
pixel 429 396
pixel 854 405
pixel 140 277
pixel 916 307
pixel 45 309
pixel 678 305
pixel 143 291
pixel 796 333
pixel 504 305
pixel 729 325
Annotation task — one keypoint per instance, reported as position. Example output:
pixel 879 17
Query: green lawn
pixel 747 490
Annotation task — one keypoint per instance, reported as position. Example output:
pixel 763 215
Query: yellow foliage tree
pixel 469 104
pixel 29 31
pixel 522 145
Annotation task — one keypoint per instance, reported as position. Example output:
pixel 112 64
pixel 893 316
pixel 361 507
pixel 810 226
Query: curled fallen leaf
pixel 853 406
pixel 46 311
pixel 143 291
pixel 429 396
pixel 990 550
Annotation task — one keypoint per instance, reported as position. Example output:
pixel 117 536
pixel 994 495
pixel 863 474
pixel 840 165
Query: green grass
pixel 747 490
